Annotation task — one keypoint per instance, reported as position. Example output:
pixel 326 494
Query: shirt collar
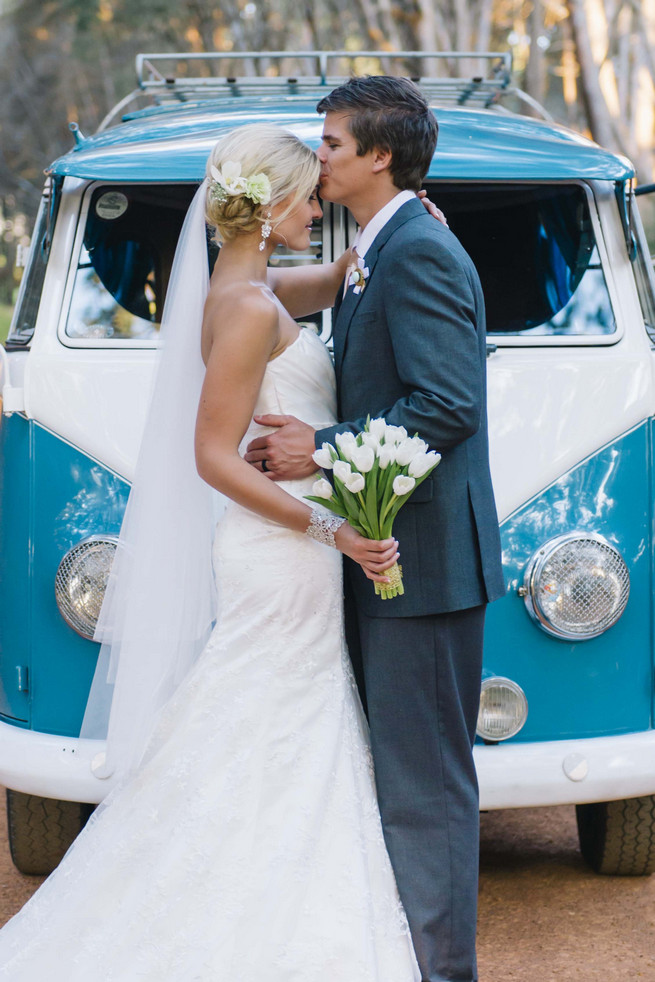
pixel 365 236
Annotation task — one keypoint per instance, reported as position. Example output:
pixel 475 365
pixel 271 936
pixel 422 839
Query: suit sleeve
pixel 432 316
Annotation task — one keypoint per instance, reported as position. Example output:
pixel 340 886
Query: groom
pixel 410 346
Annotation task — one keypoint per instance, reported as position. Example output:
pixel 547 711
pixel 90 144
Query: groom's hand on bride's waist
pixel 286 453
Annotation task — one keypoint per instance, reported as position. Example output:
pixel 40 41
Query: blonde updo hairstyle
pixel 290 165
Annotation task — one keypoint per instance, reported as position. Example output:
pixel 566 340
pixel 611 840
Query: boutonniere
pixel 358 276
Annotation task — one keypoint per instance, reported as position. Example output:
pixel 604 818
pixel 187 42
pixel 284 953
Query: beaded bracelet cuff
pixel 322 527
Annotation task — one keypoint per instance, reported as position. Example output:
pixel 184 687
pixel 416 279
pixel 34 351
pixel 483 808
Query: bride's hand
pixel 431 208
pixel 372 555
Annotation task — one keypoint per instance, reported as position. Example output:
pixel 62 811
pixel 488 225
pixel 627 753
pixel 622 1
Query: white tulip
pixel 423 462
pixel 342 470
pixel 323 457
pixel 387 455
pixel 403 485
pixel 355 483
pixel 363 458
pixel 377 427
pixel 407 450
pixel 395 434
pixel 368 440
pixel 346 443
pixel 322 489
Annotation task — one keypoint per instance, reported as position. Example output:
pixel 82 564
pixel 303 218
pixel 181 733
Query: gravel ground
pixel 544 917
pixel 15 888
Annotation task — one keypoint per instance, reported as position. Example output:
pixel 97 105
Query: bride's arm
pixel 306 289
pixel 242 344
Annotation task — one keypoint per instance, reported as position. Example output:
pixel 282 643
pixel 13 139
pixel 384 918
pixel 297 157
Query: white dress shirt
pixel 365 236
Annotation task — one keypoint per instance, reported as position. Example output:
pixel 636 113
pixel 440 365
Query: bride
pixel 242 842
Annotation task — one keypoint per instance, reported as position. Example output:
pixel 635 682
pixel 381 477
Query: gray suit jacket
pixel 411 348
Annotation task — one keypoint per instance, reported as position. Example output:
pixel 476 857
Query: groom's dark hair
pixel 388 113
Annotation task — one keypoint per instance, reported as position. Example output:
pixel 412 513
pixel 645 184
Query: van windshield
pixel 125 261
pixel 124 265
pixel 535 250
pixel 533 245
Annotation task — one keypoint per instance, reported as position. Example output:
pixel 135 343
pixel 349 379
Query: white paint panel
pixel 551 408
pixel 522 775
pixel 94 399
pixel 511 775
pixel 50 766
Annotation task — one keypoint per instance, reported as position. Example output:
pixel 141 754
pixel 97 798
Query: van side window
pixel 535 251
pixel 27 308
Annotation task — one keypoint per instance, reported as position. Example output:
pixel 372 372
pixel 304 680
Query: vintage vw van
pixel 566 713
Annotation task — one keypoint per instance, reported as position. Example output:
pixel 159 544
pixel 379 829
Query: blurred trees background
pixel 591 63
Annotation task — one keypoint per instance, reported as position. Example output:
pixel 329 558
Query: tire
pixel 617 838
pixel 41 830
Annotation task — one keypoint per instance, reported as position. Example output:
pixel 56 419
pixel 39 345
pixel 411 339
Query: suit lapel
pixel 344 315
pixel 346 310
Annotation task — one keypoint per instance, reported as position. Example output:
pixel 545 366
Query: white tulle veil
pixel 160 600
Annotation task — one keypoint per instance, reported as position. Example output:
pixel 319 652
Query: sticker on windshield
pixel 111 205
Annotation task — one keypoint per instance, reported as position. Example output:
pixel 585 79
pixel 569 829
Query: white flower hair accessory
pixel 229 183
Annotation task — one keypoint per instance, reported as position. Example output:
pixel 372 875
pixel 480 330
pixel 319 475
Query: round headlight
pixel 81 580
pixel 503 709
pixel 576 586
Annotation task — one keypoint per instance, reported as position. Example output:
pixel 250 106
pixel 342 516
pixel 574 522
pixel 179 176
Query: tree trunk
pixel 598 115
pixel 535 76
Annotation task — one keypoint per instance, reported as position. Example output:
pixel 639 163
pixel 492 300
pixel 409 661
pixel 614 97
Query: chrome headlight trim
pixel 500 682
pixel 81 580
pixel 612 574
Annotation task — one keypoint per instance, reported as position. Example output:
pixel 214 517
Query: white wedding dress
pixel 248 847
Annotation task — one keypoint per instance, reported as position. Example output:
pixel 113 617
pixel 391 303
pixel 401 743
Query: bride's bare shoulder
pixel 241 310
pixel 240 298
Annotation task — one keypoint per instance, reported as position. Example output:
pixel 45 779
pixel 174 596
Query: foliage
pixel 5 321
pixel 590 61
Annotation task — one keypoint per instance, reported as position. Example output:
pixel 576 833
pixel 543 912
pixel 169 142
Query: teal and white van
pixel 550 220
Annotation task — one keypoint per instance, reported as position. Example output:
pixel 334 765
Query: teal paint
pixel 603 686
pixel 15 565
pixel 172 143
pixel 55 495
pixel 58 496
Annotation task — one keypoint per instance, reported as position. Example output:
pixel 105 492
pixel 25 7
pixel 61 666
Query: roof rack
pixel 167 77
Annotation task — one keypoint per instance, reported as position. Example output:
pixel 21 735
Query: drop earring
pixel 267 228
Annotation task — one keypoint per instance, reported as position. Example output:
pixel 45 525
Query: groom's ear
pixel 381 160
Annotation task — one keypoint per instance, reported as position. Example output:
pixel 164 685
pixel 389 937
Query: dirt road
pixel 543 916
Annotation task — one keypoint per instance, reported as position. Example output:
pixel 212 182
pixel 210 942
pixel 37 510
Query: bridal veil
pixel 159 605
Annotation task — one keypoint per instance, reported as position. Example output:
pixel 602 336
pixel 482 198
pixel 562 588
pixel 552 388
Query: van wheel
pixel 41 830
pixel 617 838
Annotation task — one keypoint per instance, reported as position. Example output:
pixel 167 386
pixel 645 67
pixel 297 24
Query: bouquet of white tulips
pixel 374 473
